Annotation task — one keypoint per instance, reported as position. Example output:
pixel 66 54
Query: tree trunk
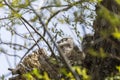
pixel 101 67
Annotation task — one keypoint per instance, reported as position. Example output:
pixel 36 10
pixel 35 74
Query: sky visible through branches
pixel 9 60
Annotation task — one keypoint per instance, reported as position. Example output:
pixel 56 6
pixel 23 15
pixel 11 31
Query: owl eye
pixel 66 39
pixel 58 42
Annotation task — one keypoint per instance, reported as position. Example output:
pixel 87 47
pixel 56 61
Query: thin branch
pixel 39 35
pixel 30 49
pixel 44 34
pixel 15 44
pixel 49 6
pixel 63 56
pixel 20 35
pixel 11 55
pixel 6 18
pixel 60 52
pixel 64 9
pixel 40 20
pixel 34 30
pixel 70 4
pixel 56 13
pixel 8 61
pixel 30 33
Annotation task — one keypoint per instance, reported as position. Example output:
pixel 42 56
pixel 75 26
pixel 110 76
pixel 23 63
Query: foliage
pixel 35 73
pixel 82 72
pixel 33 24
pixel 118 1
pixel 116 76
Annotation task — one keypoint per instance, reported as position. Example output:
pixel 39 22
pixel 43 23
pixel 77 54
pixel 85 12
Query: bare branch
pixel 57 13
pixel 4 52
pixel 15 44
pixel 46 30
pixel 30 33
pixel 64 9
pixel 49 6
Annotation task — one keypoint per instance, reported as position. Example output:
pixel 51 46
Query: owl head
pixel 66 44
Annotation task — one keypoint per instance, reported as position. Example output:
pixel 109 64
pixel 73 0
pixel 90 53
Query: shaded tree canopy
pixel 65 39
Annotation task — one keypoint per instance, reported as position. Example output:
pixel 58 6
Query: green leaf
pixel 102 53
pixel 83 72
pixel 46 76
pixel 98 1
pixel 28 76
pixel 34 19
pixel 118 1
pixel 36 73
pixel 118 68
pixel 16 14
pixel 112 18
pixel 15 2
pixel 116 35
pixel 70 76
pixel 1 4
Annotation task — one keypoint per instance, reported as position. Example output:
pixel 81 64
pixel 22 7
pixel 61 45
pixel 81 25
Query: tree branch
pixel 15 44
pixel 60 52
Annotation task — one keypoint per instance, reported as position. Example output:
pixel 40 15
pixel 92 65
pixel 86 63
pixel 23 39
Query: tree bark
pixel 98 67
